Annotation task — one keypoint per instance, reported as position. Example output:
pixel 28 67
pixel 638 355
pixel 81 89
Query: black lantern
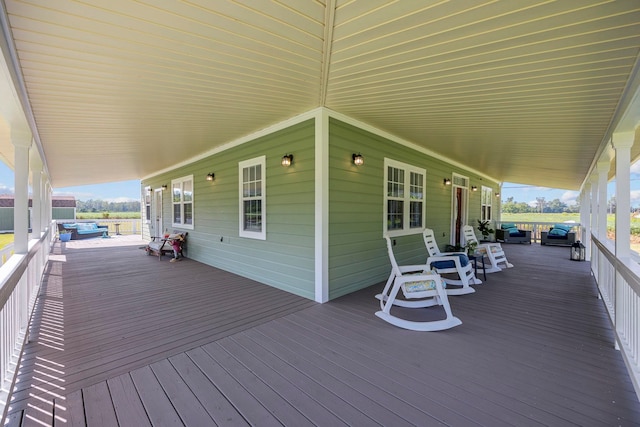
pixel 577 251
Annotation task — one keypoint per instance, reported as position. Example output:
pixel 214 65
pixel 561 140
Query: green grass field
pixel 112 215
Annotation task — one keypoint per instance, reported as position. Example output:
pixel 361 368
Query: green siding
pixel 285 259
pixel 6 219
pixel 357 252
pixel 63 213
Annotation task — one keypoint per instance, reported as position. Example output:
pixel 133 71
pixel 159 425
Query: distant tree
pixel 556 206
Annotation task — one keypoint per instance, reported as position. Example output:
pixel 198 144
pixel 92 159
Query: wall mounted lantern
pixel 164 187
pixel 287 159
pixel 210 176
pixel 358 160
pixel 474 188
pixel 446 181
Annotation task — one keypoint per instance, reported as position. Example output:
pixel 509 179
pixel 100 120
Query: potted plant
pixel 471 247
pixel 484 227
pixel 65 235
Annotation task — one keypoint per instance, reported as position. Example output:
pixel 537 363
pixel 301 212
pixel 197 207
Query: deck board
pixel 159 343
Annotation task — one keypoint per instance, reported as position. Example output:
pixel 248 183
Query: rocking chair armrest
pixel 452 253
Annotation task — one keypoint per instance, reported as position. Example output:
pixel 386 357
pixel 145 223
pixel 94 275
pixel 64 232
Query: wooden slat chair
pixel 450 263
pixel 493 251
pixel 421 288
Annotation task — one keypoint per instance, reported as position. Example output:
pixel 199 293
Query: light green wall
pixel 357 251
pixel 285 259
pixel 63 213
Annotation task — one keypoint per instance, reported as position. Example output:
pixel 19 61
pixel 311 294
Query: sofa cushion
pixel 558 232
pixel 508 225
pixel 514 232
pixel 564 227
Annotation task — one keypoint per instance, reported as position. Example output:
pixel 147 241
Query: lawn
pixel 5 239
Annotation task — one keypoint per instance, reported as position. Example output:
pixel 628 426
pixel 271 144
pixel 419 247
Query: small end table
pixel 475 258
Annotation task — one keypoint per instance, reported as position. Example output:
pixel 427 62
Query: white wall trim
pixel 321 206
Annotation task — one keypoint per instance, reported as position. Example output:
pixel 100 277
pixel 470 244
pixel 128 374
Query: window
pixel 147 203
pixel 486 201
pixel 253 198
pixel 182 198
pixel 404 209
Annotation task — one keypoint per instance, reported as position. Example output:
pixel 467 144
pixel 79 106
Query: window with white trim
pixel 404 198
pixel 147 203
pixel 182 200
pixel 253 198
pixel 486 201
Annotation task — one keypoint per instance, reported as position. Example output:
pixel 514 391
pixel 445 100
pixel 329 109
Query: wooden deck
pixel 120 338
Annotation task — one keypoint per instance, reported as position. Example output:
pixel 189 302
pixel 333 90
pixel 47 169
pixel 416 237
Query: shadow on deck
pixel 120 338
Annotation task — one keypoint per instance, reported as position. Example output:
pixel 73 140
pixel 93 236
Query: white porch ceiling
pixel 523 91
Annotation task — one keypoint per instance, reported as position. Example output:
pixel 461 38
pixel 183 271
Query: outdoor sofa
pixel 83 230
pixel 558 234
pixel 509 233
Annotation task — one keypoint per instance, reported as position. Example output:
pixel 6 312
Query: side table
pixel 475 258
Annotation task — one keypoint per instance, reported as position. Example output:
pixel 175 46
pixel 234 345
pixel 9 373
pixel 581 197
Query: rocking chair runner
pixel 493 251
pixel 450 263
pixel 421 290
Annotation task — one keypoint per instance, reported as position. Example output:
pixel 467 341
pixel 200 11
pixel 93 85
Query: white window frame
pixel 262 197
pixel 406 229
pixel 147 204
pixel 180 182
pixel 486 200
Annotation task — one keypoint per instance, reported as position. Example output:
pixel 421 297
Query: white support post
pixel 594 204
pixel 37 204
pixel 21 141
pixel 585 221
pixel 603 174
pixel 622 143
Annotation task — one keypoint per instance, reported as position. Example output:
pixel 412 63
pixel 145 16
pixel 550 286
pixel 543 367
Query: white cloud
pixel 569 197
pixel 635 197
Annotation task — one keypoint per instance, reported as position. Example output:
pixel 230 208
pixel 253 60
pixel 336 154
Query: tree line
pixel 541 206
pixel 104 206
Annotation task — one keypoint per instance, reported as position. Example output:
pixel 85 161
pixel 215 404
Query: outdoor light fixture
pixel 358 160
pixel 210 176
pixel 474 188
pixel 164 187
pixel 577 251
pixel 287 159
pixel 446 181
pixel 497 194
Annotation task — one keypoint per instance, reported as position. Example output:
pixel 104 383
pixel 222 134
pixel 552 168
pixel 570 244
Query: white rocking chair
pixel 493 251
pixel 450 263
pixel 421 289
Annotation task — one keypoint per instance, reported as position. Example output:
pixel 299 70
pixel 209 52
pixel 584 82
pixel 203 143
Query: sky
pixel 124 191
pixel 528 194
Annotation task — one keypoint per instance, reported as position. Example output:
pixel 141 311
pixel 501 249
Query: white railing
pixel 20 279
pixel 619 286
pixel 537 227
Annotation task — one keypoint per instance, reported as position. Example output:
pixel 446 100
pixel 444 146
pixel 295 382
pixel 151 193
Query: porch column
pixel 585 205
pixel 594 204
pixel 37 205
pixel 622 143
pixel 322 206
pixel 21 141
pixel 603 173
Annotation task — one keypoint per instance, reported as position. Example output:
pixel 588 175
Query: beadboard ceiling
pixel 523 91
